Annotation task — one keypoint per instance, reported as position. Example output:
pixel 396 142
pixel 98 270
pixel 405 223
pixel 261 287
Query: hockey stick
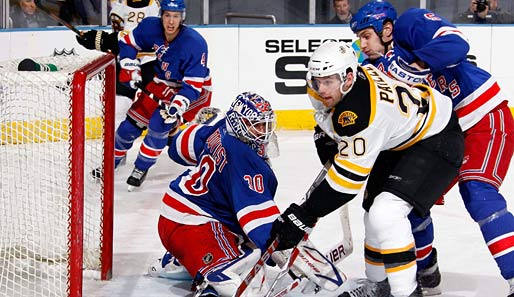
pixel 342 249
pixel 312 257
pixel 59 20
pixel 273 246
pixel 286 268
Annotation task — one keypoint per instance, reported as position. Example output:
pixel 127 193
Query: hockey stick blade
pixel 286 290
pixel 344 248
pixel 285 269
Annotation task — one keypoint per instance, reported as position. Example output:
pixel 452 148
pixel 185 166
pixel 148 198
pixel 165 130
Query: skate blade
pixel 131 188
pixel 432 291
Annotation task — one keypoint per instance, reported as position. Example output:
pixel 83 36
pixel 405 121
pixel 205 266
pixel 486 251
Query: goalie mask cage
pixel 56 222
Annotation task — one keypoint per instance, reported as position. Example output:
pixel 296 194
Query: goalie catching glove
pixel 312 264
pixel 130 72
pixel 291 226
pixel 175 109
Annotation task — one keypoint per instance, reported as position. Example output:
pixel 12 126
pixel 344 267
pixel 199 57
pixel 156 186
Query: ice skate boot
pixel 207 292
pixel 97 173
pixel 370 289
pixel 418 292
pixel 136 178
pixel 430 278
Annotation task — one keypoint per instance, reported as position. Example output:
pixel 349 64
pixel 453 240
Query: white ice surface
pixel 466 265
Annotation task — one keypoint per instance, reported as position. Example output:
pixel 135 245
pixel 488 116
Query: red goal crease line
pixel 41 131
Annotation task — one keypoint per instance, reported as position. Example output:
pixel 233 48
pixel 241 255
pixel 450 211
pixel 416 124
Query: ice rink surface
pixel 467 267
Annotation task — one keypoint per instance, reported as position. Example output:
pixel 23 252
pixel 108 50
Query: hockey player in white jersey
pixel 404 141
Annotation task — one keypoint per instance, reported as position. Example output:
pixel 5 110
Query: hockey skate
pixel 370 289
pixel 207 292
pixel 136 178
pixel 511 291
pixel 430 278
pixel 97 173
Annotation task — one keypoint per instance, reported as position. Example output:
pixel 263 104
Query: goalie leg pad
pixel 226 277
pixel 199 248
pixel 169 267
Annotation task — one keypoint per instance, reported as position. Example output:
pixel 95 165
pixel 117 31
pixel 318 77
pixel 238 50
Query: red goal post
pixel 56 222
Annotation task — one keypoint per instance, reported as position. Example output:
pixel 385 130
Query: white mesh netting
pixel 35 185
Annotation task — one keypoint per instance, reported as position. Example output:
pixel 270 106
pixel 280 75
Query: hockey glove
pixel 130 72
pixel 291 226
pixel 175 110
pixel 325 146
pixel 400 67
pixel 92 39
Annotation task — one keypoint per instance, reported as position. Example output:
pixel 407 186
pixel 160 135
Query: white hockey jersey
pixel 133 12
pixel 378 114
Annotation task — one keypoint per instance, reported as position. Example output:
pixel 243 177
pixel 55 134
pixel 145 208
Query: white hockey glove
pixel 175 110
pixel 400 70
pixel 130 72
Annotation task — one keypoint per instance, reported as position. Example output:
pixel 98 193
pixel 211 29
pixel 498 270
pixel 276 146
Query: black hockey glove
pixel 291 226
pixel 325 146
pixel 93 39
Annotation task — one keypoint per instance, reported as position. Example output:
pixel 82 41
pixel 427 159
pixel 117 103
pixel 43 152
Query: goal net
pixel 56 127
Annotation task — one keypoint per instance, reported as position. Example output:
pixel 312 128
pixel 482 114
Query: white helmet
pixel 332 58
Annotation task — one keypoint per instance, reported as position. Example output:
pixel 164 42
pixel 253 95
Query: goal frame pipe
pixel 77 131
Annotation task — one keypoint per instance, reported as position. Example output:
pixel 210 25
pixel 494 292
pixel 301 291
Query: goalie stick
pixel 342 249
pixel 273 246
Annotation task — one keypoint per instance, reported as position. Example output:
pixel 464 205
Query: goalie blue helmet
pixel 373 15
pixel 174 5
pixel 252 120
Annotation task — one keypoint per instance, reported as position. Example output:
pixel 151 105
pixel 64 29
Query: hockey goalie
pixel 216 217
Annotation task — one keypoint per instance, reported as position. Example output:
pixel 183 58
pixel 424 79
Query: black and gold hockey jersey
pixel 378 114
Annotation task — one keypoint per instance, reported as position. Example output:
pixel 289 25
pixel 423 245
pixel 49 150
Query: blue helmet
pixel 174 5
pixel 373 14
pixel 252 120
